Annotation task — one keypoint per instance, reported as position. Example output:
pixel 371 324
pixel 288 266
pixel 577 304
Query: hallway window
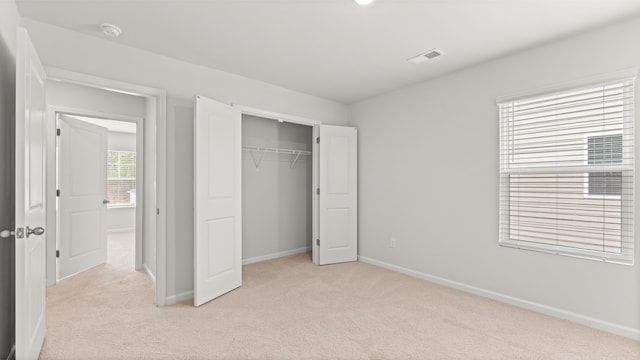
pixel 121 178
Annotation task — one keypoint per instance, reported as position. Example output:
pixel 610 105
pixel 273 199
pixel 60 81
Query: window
pixel 567 172
pixel 604 149
pixel 121 178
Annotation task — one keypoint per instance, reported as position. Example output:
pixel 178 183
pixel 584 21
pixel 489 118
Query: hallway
pixel 121 250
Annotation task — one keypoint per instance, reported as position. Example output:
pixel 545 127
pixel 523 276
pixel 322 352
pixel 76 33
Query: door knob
pixel 6 233
pixel 35 231
pixel 105 201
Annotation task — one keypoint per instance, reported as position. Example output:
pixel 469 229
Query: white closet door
pixel 338 200
pixel 83 192
pixel 218 203
pixel 30 192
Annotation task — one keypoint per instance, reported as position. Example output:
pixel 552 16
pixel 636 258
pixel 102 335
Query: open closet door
pixel 218 203
pixel 338 200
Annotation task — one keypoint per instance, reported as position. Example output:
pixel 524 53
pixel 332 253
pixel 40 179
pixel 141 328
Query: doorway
pixel 152 223
pixel 218 210
pixel 276 188
pixel 99 173
pixel 333 190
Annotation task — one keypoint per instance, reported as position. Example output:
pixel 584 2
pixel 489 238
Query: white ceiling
pixel 332 48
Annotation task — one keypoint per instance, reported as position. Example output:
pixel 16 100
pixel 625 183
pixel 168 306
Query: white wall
pixel 9 19
pixel 276 199
pixel 428 176
pixel 96 100
pixel 121 141
pixel 86 54
pixel 121 218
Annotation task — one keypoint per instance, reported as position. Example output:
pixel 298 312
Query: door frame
pixel 315 167
pixel 52 113
pixel 156 104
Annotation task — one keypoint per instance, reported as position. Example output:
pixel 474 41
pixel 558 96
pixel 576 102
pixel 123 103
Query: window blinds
pixel 567 172
pixel 121 178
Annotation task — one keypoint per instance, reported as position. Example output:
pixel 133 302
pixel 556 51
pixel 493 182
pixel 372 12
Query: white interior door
pixel 338 200
pixel 30 190
pixel 218 203
pixel 82 170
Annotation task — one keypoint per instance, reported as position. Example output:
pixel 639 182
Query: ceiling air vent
pixel 426 56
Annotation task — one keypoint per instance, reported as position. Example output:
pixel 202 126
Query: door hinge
pixel 157 211
pixel 318 140
pixel 318 242
pixel 57 253
pixel 58 193
pixel 58 131
pixel 318 191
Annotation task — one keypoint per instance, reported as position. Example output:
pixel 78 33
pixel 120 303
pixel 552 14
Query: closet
pixel 268 185
pixel 276 188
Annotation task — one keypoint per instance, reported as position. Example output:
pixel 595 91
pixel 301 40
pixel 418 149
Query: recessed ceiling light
pixel 364 2
pixel 110 30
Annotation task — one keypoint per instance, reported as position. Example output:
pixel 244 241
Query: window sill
pixel 622 259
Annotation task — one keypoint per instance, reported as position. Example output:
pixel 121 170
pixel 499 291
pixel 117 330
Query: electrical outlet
pixel 393 243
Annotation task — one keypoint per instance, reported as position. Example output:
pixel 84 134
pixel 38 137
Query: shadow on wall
pixel 180 115
pixel 7 198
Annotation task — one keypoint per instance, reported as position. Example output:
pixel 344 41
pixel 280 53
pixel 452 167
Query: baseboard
pixel 12 353
pixel 132 229
pixel 275 255
pixel 617 329
pixel 149 273
pixel 174 299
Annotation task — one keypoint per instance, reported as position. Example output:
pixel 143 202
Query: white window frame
pixel 626 258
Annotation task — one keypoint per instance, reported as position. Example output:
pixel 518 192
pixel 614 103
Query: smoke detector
pixel 426 56
pixel 111 30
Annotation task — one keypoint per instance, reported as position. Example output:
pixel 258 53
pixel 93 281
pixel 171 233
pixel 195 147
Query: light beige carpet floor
pixel 291 309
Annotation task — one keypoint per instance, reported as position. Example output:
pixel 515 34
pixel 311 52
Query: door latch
pixel 19 233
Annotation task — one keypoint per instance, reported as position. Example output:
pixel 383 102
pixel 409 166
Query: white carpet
pixel 290 309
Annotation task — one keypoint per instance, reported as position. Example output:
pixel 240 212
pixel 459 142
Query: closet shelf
pixel 275 150
pixel 262 150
